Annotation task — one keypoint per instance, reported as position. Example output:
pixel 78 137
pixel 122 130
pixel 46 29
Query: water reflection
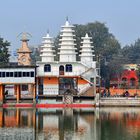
pixel 48 124
pixel 66 124
pixel 17 124
pixel 70 124
pixel 120 123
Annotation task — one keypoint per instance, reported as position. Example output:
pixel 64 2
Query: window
pixel 15 74
pixel 19 74
pixel 28 74
pixel 68 68
pixel 24 74
pixel 3 74
pixel 7 74
pixel 32 74
pixel 11 74
pixel 0 74
pixel 47 68
pixel 61 70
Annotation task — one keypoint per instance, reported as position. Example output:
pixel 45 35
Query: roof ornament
pixel 48 33
pixel 24 36
pixel 67 22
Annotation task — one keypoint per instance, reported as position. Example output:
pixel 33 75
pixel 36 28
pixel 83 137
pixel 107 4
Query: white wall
pixel 17 79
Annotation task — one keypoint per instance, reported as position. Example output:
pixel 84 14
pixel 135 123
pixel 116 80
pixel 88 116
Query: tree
pixel 4 55
pixel 131 52
pixel 104 42
pixel 35 55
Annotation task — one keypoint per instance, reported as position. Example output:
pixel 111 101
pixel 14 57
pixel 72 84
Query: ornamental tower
pixel 86 49
pixel 47 52
pixel 67 50
pixel 24 52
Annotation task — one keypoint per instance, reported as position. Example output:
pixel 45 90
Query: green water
pixel 70 124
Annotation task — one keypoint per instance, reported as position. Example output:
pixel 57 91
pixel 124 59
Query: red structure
pixel 130 78
pixel 127 79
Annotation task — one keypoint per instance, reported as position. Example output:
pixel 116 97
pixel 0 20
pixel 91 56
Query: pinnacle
pixel 86 35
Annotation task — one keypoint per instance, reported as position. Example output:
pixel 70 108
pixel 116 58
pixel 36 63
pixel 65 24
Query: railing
pixel 74 73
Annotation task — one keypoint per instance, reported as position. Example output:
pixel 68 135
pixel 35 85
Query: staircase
pixel 85 71
pixel 85 89
pixel 86 77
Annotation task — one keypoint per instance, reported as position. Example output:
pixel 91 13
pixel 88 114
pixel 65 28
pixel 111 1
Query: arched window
pixel 124 79
pixel 61 70
pixel 68 68
pixel 47 68
pixel 132 82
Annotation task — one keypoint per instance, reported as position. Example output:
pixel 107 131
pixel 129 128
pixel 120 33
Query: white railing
pixel 56 73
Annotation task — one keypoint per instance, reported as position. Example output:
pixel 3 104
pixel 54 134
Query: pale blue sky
pixel 37 16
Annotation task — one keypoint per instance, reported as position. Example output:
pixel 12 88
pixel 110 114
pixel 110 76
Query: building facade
pixel 55 77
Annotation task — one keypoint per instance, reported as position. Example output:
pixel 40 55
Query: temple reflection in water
pixel 70 124
pixel 50 124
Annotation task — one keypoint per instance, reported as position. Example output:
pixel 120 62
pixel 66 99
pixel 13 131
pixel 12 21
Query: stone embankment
pixel 119 101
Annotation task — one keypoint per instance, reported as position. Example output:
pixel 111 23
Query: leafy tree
pixel 131 52
pixel 104 42
pixel 35 55
pixel 4 55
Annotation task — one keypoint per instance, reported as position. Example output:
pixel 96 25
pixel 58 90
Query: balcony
pixel 57 74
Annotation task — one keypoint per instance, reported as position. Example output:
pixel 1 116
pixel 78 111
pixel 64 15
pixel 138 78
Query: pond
pixel 70 124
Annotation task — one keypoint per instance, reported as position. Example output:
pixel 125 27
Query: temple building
pixel 17 82
pixel 55 77
pixel 51 78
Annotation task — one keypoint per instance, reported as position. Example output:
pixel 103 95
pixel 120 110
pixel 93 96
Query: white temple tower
pixel 47 52
pixel 67 50
pixel 86 50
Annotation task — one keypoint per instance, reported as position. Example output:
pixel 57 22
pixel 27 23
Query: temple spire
pixel 24 51
pixel 67 43
pixel 47 52
pixel 86 49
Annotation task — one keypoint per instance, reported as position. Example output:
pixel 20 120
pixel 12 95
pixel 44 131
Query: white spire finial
pixel 86 35
pixel 48 33
pixel 67 22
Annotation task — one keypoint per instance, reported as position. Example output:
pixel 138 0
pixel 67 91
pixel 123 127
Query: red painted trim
pixel 64 105
pixel 50 105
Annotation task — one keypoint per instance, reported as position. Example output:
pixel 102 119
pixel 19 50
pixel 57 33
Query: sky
pixel 122 17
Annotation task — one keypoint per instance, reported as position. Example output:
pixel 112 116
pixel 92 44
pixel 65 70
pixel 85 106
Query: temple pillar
pixel 15 89
pixel 1 95
pixel 34 93
pixel 94 85
pixel 18 93
pixel 1 117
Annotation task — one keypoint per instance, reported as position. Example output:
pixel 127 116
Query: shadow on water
pixel 70 124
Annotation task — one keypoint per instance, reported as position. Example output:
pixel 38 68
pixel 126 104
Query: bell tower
pixel 24 52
